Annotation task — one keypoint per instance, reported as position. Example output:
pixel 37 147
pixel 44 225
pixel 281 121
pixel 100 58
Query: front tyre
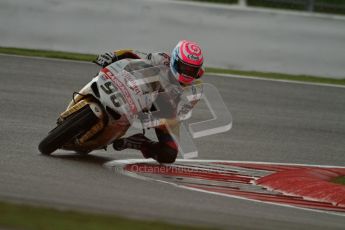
pixel 71 127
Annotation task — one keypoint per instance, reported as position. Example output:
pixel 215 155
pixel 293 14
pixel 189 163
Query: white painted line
pixel 119 163
pixel 207 73
pixel 133 161
pixel 275 80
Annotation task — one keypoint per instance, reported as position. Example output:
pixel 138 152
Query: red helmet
pixel 186 61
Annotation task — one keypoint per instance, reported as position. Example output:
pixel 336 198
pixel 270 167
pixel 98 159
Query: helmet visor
pixel 186 69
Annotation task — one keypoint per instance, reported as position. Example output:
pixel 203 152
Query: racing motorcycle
pixel 118 97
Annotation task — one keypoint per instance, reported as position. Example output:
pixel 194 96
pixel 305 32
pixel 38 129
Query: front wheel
pixel 71 127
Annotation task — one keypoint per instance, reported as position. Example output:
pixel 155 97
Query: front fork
pixel 97 110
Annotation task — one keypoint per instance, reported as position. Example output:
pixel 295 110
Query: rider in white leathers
pixel 186 65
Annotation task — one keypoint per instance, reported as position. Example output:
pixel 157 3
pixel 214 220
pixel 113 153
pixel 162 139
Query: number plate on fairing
pixel 128 86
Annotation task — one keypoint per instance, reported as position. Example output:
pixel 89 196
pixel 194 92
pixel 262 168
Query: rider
pixel 185 64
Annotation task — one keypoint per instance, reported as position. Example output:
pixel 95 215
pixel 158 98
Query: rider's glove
pixel 133 142
pixel 105 59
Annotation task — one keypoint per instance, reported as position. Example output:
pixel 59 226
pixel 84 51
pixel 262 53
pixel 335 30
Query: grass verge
pixel 339 180
pixel 90 57
pixel 15 216
pixel 47 54
pixel 215 1
pixel 322 6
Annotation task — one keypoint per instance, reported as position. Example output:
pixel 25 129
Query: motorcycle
pixel 118 97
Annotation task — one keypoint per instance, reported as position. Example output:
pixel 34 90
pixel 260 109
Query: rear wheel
pixel 71 127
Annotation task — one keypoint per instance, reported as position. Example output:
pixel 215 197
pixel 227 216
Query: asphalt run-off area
pixel 233 38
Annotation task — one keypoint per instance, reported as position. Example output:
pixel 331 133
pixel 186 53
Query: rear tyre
pixel 71 127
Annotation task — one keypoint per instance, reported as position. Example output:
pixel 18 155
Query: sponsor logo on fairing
pixel 122 88
pixel 131 83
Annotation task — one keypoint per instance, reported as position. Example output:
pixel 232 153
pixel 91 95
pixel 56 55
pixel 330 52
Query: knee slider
pixel 167 155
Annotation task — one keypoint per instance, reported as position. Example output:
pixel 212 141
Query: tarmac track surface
pixel 273 121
